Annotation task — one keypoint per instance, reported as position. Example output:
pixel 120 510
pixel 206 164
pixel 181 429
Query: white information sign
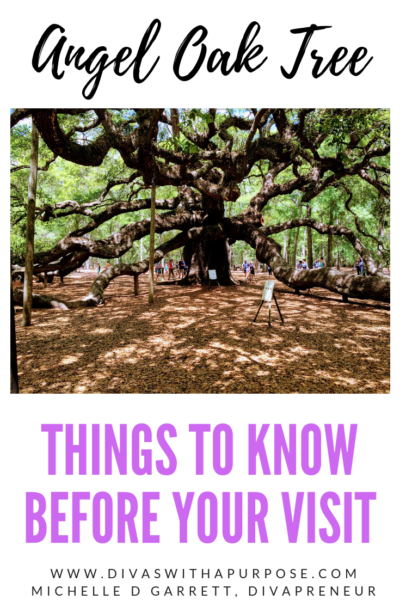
pixel 268 291
pixel 212 274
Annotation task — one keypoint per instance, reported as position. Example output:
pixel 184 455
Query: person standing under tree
pixel 171 270
pixel 246 269
pixel 16 282
pixel 181 268
pixel 158 270
pixel 252 274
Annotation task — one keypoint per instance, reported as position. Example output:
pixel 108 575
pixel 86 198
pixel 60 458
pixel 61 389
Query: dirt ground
pixel 200 340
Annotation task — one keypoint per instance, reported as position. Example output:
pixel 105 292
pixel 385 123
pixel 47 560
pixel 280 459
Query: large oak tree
pixel 206 155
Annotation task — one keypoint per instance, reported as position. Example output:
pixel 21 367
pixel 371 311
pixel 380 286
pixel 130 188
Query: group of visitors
pixel 98 267
pixel 170 268
pixel 302 264
pixel 319 263
pixel 249 270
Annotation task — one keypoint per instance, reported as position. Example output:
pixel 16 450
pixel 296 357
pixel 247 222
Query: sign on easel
pixel 268 291
pixel 212 276
pixel 267 295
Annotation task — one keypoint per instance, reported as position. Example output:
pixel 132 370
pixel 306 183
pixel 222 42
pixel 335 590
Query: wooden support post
pixel 269 314
pixel 152 231
pixel 345 298
pixel 136 284
pixel 30 228
pixel 14 365
pixel 45 281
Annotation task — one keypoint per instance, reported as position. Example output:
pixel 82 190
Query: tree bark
pixel 30 229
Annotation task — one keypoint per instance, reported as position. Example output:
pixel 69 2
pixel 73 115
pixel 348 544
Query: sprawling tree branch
pixel 290 148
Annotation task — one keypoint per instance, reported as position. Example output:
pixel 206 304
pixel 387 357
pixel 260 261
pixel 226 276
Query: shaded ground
pixel 200 340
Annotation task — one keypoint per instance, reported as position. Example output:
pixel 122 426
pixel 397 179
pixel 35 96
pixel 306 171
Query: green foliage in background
pixel 67 181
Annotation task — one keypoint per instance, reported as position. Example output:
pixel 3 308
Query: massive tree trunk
pixel 201 256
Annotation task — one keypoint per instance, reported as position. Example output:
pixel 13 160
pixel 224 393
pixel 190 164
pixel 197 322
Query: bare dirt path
pixel 200 340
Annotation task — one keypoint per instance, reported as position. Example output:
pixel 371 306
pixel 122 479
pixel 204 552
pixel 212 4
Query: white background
pixel 88 24
pixel 374 469
pixel 24 447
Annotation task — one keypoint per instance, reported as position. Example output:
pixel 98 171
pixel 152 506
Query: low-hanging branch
pixel 118 243
pixel 96 294
pixel 337 230
pixel 267 250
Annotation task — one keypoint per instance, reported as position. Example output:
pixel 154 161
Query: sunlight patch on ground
pixel 101 331
pixel 203 341
pixel 68 360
